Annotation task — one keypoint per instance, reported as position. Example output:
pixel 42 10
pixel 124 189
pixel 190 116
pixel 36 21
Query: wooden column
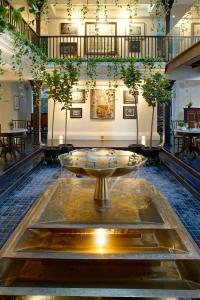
pixel 168 6
pixel 167 121
pixel 38 17
pixel 36 88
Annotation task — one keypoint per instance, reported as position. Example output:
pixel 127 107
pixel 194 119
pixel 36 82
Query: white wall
pixel 122 25
pixel 185 91
pixel 117 129
pixel 7 109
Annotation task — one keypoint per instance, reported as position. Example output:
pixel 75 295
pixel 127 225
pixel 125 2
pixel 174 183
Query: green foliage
pixel 189 105
pixel 157 90
pixel 115 66
pixel 146 61
pixel 60 83
pixel 10 124
pixel 17 15
pixel 182 123
pixel 33 7
pixel 131 76
pixel 69 9
pixel 91 73
pixel 84 11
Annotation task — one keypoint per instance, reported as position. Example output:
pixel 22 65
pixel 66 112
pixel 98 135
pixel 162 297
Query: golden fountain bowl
pixel 101 164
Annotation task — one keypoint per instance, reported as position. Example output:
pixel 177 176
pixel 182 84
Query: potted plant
pixel 156 90
pixel 132 79
pixel 11 124
pixel 189 105
pixel 181 125
pixel 52 81
pixel 69 77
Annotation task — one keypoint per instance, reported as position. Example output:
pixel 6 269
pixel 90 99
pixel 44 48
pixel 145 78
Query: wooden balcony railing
pixel 96 46
pixel 23 27
pixel 165 47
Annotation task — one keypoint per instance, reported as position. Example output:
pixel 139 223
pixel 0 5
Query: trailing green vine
pixel 69 9
pixel 84 10
pixel 98 9
pixel 112 74
pixel 105 10
pixel 17 62
pixel 91 75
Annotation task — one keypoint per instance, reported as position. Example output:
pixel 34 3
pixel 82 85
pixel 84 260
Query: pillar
pixel 36 88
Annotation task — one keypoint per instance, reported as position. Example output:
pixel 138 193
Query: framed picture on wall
pixel 129 112
pixel 102 104
pixel 69 28
pixel 78 96
pixel 68 49
pixel 76 112
pixel 134 46
pixel 16 102
pixel 195 29
pixel 136 29
pixel 129 98
pixel 101 45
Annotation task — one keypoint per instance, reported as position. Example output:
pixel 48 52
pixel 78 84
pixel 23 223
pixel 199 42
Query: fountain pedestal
pixel 101 194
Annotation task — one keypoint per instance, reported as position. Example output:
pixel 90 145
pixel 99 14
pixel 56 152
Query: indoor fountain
pixel 100 236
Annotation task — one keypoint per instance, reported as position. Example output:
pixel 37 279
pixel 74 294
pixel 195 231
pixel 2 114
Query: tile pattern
pixel 18 202
pixel 185 205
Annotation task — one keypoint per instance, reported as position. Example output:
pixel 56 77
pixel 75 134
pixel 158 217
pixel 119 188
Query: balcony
pixel 165 47
pixel 72 46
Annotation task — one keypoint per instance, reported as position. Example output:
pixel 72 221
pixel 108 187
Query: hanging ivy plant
pixel 109 75
pixel 98 9
pixel 112 74
pixel 20 51
pixel 69 9
pixel 84 10
pixel 45 11
pixel 91 74
pixel 105 10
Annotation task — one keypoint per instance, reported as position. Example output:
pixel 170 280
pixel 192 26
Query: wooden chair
pixel 177 139
pixel 3 146
pixel 20 140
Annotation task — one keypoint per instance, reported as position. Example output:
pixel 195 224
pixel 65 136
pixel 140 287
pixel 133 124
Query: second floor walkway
pixel 165 47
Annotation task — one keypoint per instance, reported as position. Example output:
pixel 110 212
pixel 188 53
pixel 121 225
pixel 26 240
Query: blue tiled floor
pixel 14 206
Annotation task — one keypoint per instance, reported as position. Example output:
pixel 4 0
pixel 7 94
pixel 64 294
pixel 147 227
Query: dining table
pixel 188 146
pixel 9 143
